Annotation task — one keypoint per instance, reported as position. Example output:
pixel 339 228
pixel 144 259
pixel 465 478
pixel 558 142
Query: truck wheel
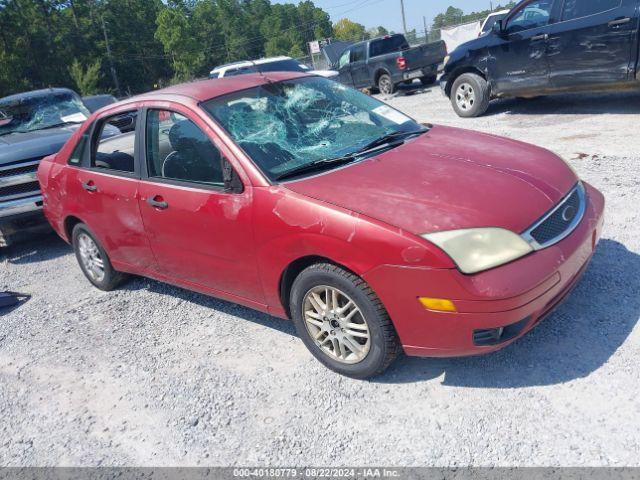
pixel 93 260
pixel 470 95
pixel 428 80
pixel 342 322
pixel 385 84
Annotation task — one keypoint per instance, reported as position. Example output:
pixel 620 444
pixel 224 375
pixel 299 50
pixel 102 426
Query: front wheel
pixel 386 85
pixel 470 95
pixel 342 322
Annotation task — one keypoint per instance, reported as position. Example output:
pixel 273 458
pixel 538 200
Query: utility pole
pixel 426 33
pixel 114 75
pixel 404 18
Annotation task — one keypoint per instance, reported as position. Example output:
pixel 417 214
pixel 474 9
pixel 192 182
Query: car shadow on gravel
pixel 570 104
pixel 40 248
pixel 573 342
pixel 222 306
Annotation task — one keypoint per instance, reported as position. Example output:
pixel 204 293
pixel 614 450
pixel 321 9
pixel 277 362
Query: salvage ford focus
pixel 300 197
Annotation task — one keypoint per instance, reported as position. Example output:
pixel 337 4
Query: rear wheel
pixel 93 259
pixel 386 85
pixel 470 95
pixel 342 322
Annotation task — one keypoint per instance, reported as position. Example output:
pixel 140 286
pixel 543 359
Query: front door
pixel 103 180
pixel 592 44
pixel 518 61
pixel 359 69
pixel 200 234
pixel 344 68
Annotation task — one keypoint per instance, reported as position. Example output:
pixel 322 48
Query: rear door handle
pixel 159 203
pixel 89 186
pixel 619 21
pixel 544 36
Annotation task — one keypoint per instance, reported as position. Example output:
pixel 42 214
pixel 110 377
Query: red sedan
pixel 297 196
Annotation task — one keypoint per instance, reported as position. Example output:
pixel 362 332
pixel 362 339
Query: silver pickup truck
pixel 32 126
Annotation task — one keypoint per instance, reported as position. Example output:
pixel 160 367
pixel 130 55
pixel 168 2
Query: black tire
pixel 426 81
pixel 386 85
pixel 481 95
pixel 112 278
pixel 384 344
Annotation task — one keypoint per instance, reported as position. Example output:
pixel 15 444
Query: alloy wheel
pixel 465 96
pixel 336 324
pixel 91 259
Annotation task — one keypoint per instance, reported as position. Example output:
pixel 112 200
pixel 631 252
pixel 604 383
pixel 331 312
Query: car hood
pixel 36 144
pixel 448 179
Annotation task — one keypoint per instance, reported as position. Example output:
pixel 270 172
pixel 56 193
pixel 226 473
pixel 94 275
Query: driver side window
pixel 344 59
pixel 177 149
pixel 534 15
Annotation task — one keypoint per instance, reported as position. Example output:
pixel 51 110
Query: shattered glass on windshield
pixel 284 125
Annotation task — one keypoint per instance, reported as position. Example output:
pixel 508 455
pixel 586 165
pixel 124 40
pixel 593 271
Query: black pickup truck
pixel 546 46
pixel 385 62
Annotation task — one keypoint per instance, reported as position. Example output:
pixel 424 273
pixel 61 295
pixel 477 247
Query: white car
pixel 273 64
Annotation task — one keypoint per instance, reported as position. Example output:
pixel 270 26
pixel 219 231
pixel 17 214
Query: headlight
pixel 446 60
pixel 477 249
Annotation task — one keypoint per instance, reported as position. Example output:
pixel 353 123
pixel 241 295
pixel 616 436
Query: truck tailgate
pixel 425 55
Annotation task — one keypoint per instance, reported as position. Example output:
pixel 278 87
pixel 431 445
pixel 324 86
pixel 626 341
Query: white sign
pixel 314 47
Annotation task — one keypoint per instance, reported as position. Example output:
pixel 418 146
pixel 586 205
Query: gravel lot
pixel 155 375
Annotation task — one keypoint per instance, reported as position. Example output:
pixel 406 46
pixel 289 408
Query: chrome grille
pixel 19 180
pixel 560 221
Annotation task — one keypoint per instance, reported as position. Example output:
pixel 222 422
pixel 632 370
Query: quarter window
pixel 113 149
pixel 534 15
pixel 583 8
pixel 178 150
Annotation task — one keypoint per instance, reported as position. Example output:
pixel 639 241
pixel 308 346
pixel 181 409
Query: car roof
pixel 36 93
pixel 203 90
pixel 248 63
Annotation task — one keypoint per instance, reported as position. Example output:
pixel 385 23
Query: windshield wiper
pixel 57 125
pixel 317 165
pixel 391 139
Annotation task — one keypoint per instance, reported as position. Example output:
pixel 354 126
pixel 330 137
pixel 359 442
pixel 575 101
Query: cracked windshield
pixel 39 112
pixel 296 125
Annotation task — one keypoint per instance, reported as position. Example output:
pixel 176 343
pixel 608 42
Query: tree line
pixel 130 46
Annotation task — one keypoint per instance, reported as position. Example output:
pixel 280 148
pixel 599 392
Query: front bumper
pixel 507 301
pixel 21 218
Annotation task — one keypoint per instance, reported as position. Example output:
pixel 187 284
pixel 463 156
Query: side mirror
pixel 232 182
pixel 498 28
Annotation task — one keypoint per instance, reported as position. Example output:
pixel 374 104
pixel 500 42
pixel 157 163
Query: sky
pixel 386 13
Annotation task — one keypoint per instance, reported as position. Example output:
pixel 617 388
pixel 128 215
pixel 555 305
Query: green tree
pixel 176 35
pixel 347 30
pixel 87 80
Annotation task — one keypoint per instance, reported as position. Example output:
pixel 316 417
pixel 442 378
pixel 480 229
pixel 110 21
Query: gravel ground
pixel 155 375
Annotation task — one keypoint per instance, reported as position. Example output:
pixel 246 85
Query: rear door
pixel 103 180
pixel 593 42
pixel 359 68
pixel 518 61
pixel 201 235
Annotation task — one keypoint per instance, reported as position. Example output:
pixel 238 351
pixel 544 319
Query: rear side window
pixel 114 143
pixel 177 149
pixel 382 46
pixel 583 8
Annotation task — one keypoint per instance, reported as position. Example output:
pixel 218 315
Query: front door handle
pixel 157 202
pixel 544 36
pixel 619 21
pixel 90 186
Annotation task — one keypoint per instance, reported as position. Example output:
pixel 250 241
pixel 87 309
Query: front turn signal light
pixel 438 304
